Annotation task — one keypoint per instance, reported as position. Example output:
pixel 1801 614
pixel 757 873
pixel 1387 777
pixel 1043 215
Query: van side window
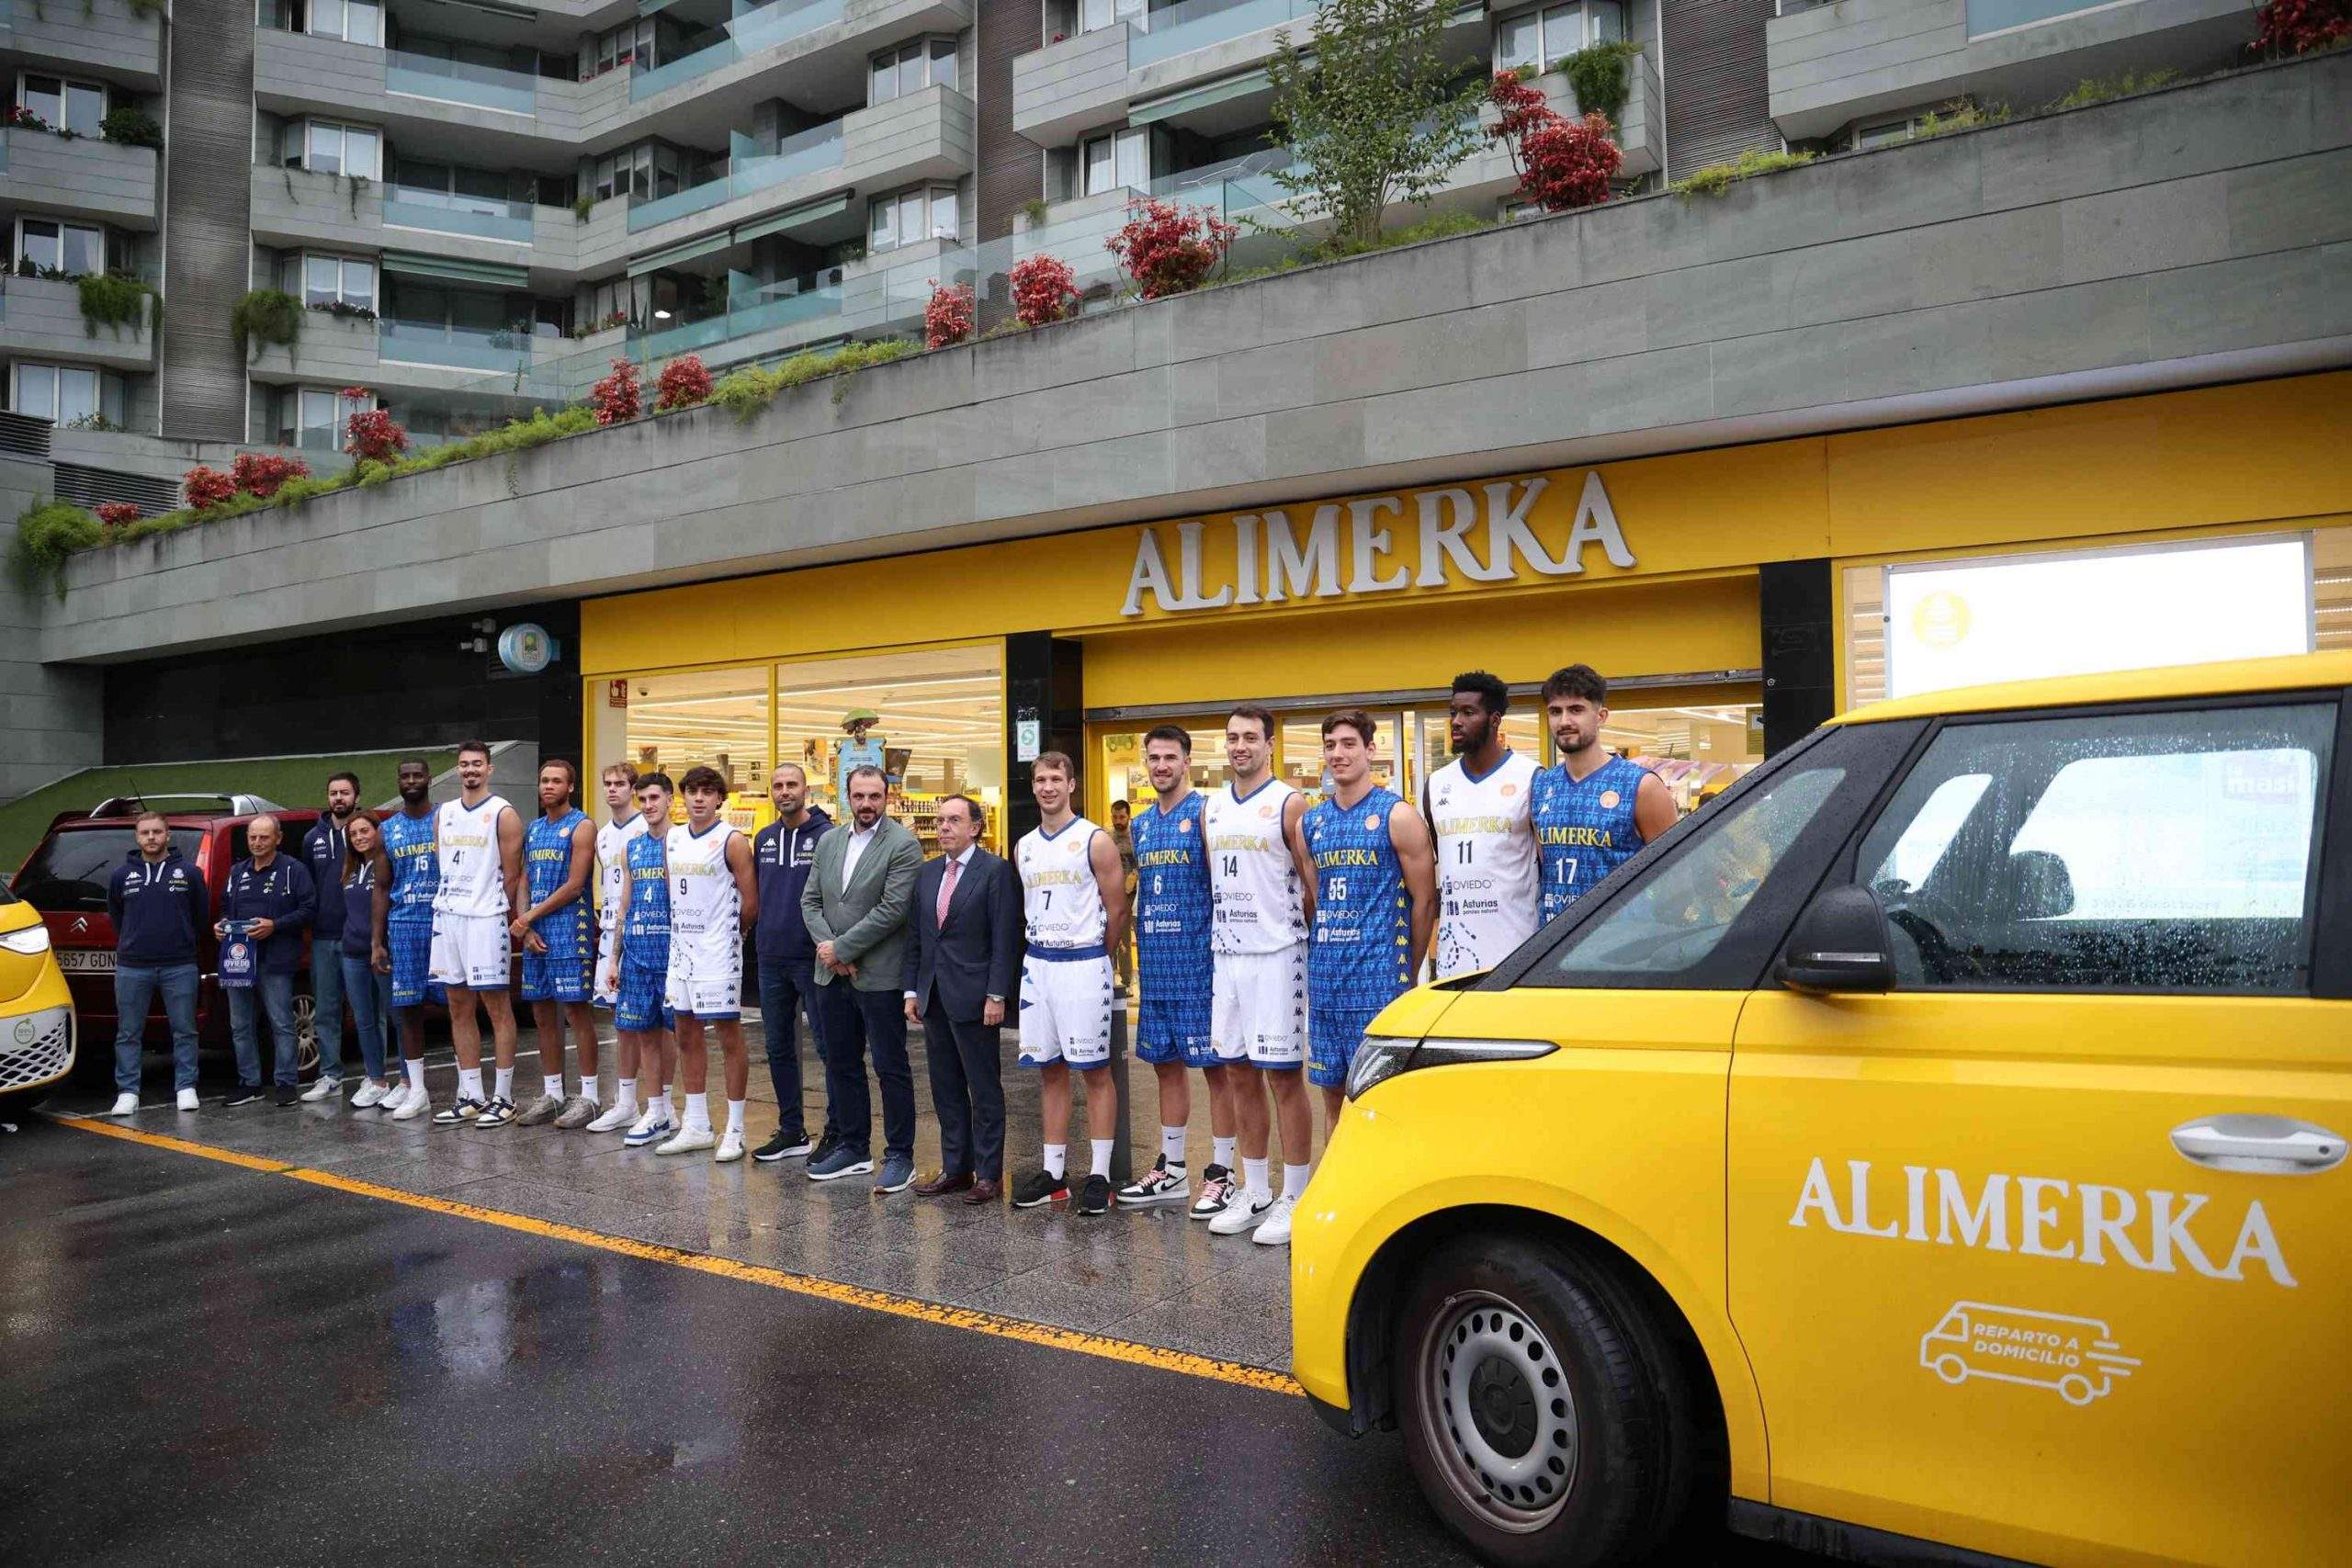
pixel 2166 851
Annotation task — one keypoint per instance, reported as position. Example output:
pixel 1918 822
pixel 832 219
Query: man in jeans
pixel 781 856
pixel 322 849
pixel 158 906
pixel 272 894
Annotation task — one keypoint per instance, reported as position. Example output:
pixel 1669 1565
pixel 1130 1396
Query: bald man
pixel 269 900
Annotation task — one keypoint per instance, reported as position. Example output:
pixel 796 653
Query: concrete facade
pixel 81 178
pixel 41 318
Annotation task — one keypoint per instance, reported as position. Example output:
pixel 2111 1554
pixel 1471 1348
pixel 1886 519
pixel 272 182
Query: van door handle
pixel 2263 1145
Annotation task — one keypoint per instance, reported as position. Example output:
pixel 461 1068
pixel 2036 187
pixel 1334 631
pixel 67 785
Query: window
pixel 68 104
pixel 1122 158
pixel 630 43
pixel 644 171
pixel 311 417
pixel 74 249
pixel 910 68
pixel 71 869
pixel 1094 14
pixel 900 218
pixel 326 148
pixel 1542 38
pixel 324 281
pixel 354 21
pixel 2134 851
pixel 66 394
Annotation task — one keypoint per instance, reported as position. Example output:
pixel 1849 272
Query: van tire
pixel 18 1103
pixel 1582 1452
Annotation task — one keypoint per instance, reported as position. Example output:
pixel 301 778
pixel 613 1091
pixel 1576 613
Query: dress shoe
pixel 939 1184
pixel 984 1190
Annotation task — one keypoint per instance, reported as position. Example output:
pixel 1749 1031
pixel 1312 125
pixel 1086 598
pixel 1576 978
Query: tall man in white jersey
pixel 627 822
pixel 1488 888
pixel 1261 895
pixel 478 839
pixel 713 901
pixel 1074 903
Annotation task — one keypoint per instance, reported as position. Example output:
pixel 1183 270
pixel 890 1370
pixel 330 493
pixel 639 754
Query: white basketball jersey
pixel 473 870
pixel 1059 897
pixel 702 895
pixel 1489 886
pixel 1254 901
pixel 612 863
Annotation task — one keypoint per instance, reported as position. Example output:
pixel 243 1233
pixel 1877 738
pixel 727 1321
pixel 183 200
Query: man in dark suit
pixel 962 956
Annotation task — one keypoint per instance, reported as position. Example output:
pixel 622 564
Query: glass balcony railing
pixel 459 81
pixel 443 212
pixel 2000 16
pixel 814 149
pixel 763 27
pixel 461 348
pixel 1193 24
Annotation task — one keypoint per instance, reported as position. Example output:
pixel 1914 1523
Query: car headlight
pixel 31 940
pixel 1380 1059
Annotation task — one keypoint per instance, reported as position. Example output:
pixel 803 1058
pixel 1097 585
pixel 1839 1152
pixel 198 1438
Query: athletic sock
pixel 552 1083
pixel 505 1083
pixel 735 1116
pixel 415 1071
pixel 1295 1179
pixel 1057 1160
pixel 1221 1151
pixel 1171 1147
pixel 1102 1166
pixel 1255 1181
pixel 698 1113
pixel 624 1091
pixel 470 1083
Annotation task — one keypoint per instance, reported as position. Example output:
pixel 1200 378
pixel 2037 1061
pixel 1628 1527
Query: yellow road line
pixel 970 1319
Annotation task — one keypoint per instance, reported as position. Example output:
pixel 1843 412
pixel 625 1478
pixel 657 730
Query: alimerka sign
pixel 1503 531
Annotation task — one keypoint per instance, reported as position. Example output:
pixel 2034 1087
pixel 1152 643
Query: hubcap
pixel 1498 1411
pixel 306 1033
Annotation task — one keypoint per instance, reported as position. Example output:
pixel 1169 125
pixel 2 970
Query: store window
pixel 52 246
pixel 63 103
pixel 937 729
pixel 67 395
pixel 326 147
pixel 1542 38
pixel 715 718
pixel 910 217
pixel 910 68
pixel 1120 159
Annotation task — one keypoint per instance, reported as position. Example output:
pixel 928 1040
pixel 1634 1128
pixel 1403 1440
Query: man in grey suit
pixel 963 959
pixel 856 907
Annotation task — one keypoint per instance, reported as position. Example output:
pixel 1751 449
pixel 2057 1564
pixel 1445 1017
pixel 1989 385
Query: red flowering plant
pixel 683 383
pixel 1563 164
pixel 947 320
pixel 1168 249
pixel 113 515
pixel 206 487
pixel 260 474
pixel 2298 27
pixel 369 434
pixel 1045 289
pixel 617 398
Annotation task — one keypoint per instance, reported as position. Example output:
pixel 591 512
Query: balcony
pixel 81 178
pixel 809 152
pixel 765 27
pixel 475 217
pixel 96 35
pixel 453 348
pixel 1830 64
pixel 456 81
pixel 296 73
pixel 1197 24
pixel 1088 80
pixel 41 318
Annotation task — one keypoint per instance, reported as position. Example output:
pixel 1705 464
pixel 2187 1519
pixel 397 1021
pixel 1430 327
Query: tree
pixel 1372 110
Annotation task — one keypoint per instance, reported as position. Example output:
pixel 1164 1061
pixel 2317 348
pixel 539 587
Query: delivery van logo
pixel 2076 1356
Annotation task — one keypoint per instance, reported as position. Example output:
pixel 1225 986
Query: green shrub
pixel 111 301
pixel 746 391
pixel 1717 178
pixel 131 126
pixel 265 316
pixel 1958 115
pixel 1444 226
pixel 47 533
pixel 2099 89
pixel 1603 77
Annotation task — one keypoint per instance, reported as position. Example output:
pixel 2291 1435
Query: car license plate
pixel 85 963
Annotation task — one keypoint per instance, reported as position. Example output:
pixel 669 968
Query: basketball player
pixel 1476 806
pixel 408 931
pixel 612 857
pixel 1592 810
pixel 1262 900
pixel 1074 901
pixel 478 839
pixel 1376 904
pixel 558 946
pixel 1173 963
pixel 638 976
pixel 713 901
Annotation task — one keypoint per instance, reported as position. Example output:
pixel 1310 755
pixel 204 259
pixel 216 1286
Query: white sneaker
pixel 188 1099
pixel 325 1088
pixel 1243 1213
pixel 689 1140
pixel 657 1124
pixel 1274 1229
pixel 615 1120
pixel 730 1148
pixel 417 1104
pixel 124 1104
pixel 369 1094
pixel 394 1096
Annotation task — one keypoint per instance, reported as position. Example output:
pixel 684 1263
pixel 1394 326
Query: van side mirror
pixel 1839 943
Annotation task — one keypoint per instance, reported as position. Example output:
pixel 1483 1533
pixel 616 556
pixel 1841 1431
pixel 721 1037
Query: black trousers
pixel 967 1090
pixel 855 1020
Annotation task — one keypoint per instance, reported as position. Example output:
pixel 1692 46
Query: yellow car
pixel 1932 1148
pixel 37 1029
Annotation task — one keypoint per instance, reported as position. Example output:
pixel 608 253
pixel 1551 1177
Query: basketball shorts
pixel 1066 1007
pixel 1258 1007
pixel 641 1005
pixel 608 946
pixel 1333 1035
pixel 561 974
pixel 706 973
pixel 1173 1021
pixel 411 943
pixel 473 950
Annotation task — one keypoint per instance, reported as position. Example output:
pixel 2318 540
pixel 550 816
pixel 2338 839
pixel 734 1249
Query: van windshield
pixel 70 871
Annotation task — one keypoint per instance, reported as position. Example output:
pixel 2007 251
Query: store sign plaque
pixel 1380 544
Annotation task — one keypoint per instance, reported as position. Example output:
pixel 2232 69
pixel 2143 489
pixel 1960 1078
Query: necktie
pixel 947 889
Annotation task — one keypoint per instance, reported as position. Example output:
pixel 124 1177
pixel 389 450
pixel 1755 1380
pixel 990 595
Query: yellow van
pixel 37 1026
pixel 1933 1148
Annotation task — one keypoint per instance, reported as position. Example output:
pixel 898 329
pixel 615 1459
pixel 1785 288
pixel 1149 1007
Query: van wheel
pixel 306 1034
pixel 17 1106
pixel 1539 1405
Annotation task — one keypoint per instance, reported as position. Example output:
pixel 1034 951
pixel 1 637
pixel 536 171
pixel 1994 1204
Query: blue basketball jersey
pixel 646 921
pixel 1362 954
pixel 1173 916
pixel 1584 829
pixel 546 865
pixel 416 869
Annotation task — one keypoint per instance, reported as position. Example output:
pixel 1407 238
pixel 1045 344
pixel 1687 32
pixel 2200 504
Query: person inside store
pixel 1123 961
pixel 855 906
pixel 963 957
pixel 158 905
pixel 269 901
pixel 782 856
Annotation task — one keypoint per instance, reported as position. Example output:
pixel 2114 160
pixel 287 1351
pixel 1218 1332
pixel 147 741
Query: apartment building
pixel 478 203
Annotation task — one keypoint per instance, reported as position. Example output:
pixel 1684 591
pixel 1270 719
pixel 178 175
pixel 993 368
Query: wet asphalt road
pixel 208 1364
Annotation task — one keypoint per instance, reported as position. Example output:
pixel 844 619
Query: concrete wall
pixel 99 35
pixel 41 318
pixel 2189 236
pixel 81 178
pixel 49 714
